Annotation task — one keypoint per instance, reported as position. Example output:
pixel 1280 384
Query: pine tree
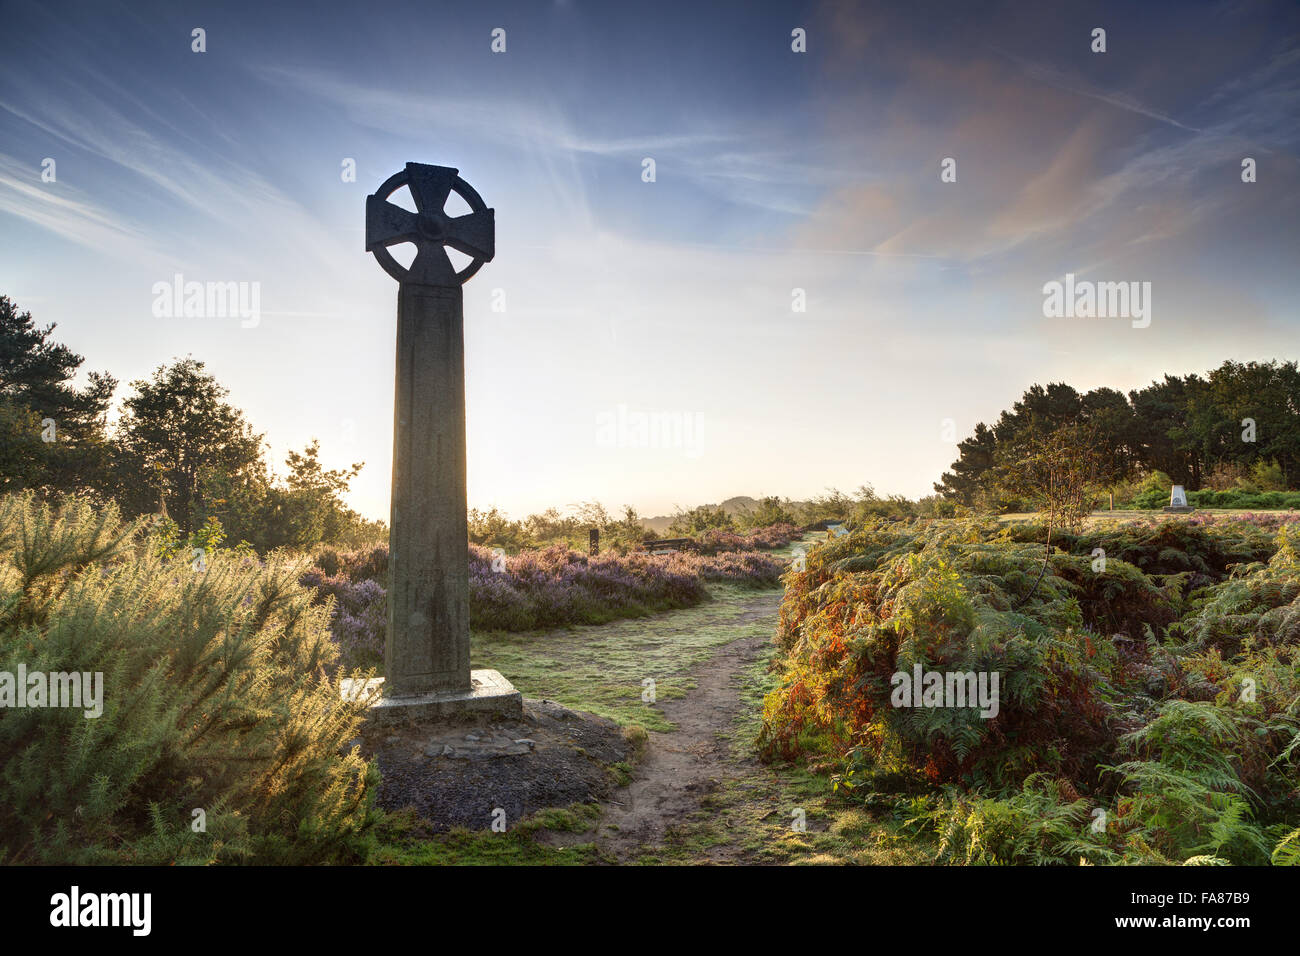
pixel 51 432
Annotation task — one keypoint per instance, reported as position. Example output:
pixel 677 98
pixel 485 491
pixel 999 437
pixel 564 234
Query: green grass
pixel 760 808
pixel 403 841
pixel 600 669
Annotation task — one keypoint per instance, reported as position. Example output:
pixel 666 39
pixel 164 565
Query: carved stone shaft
pixel 428 608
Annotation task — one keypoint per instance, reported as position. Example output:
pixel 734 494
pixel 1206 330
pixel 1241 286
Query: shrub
pixel 775 536
pixel 1046 822
pixel 360 615
pixel 215 696
pixel 1234 499
pixel 558 586
pixel 1162 686
pixel 1226 475
pixel 553 587
pixel 1268 476
pixel 746 568
pixel 881 601
pixel 702 518
pixel 768 511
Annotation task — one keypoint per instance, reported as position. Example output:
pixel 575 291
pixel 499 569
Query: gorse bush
pixel 1159 686
pixel 215 697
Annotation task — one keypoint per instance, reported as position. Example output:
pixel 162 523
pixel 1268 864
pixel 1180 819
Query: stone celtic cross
pixel 426 653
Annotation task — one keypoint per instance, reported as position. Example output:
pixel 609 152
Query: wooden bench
pixel 669 545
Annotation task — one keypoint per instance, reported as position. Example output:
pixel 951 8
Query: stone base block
pixel 489 693
pixel 1178 509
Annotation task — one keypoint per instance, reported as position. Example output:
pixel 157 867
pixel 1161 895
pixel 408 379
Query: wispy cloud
pixel 66 212
pixel 1072 83
pixel 758 168
pixel 175 168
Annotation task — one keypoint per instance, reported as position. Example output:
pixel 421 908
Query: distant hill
pixel 658 524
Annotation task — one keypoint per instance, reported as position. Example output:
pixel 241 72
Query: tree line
pixel 178 449
pixel 1237 425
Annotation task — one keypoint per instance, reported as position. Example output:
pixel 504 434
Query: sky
pixel 642 342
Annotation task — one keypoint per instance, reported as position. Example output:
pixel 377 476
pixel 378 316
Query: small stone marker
pixel 1178 501
pixel 426 653
pixel 593 542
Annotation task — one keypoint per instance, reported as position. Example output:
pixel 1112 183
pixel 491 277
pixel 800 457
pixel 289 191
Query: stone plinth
pixel 489 693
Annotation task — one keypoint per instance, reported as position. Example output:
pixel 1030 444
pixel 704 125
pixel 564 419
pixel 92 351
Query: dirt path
pixel 680 768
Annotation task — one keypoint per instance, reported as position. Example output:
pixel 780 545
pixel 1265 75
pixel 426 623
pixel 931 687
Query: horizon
pixel 775 171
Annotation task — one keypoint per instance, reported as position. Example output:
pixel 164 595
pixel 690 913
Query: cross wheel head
pixel 430 228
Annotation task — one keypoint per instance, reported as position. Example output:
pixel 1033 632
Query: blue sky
pixel 775 170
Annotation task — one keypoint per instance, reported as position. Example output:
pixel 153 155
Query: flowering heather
pixel 536 589
pixel 717 541
pixel 735 567
pixel 360 615
pixel 1265 521
pixel 1268 522
pixel 558 586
